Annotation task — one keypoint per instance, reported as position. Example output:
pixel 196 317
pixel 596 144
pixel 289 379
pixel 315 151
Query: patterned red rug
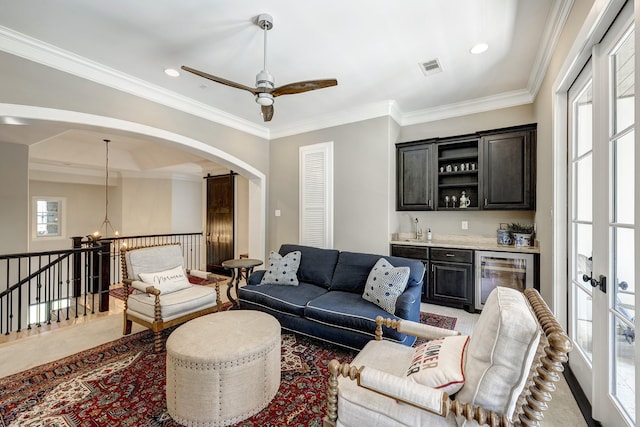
pixel 122 383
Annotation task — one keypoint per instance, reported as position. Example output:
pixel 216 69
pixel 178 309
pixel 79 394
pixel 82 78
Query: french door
pixel 602 226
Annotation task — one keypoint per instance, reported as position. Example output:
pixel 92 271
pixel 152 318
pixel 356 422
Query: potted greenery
pixel 522 234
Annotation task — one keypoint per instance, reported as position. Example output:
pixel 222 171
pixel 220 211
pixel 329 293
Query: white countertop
pixel 482 243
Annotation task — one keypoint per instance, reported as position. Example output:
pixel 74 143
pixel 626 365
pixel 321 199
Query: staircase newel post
pixel 105 273
pixel 77 267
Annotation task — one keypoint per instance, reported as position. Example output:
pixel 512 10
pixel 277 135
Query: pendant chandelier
pixel 106 226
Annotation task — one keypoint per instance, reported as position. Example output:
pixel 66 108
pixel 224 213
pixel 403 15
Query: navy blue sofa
pixel 328 303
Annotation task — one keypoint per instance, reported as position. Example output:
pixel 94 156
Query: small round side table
pixel 236 266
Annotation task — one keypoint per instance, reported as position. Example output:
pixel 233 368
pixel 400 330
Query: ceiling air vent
pixel 430 67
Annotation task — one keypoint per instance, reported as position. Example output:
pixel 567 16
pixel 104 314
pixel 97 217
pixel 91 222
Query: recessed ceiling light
pixel 172 72
pixel 5 120
pixel 479 48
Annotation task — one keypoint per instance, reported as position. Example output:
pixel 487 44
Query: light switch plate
pixel 278 213
pixel 465 225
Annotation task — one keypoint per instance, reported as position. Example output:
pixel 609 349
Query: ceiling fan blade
pixel 219 79
pixel 299 87
pixel 267 112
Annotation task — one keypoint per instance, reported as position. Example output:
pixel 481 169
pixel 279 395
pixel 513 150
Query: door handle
pixel 602 283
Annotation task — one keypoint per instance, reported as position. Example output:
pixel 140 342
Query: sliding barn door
pixel 220 227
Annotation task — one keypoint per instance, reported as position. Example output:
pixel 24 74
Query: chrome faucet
pixel 418 230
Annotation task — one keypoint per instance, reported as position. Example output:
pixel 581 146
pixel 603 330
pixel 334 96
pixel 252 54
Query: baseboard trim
pixel 580 397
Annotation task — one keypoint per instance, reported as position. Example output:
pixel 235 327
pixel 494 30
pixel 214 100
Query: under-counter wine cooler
pixel 510 269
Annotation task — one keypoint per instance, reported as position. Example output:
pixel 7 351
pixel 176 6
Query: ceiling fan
pixel 265 90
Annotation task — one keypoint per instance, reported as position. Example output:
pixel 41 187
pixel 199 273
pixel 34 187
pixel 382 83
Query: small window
pixel 48 217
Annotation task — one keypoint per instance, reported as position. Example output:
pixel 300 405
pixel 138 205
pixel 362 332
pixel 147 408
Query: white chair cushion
pixel 174 304
pixel 167 281
pixel 359 407
pixel 500 352
pixel 153 259
pixel 439 363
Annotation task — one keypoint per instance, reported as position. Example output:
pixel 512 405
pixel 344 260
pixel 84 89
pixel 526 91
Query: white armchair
pixel 162 295
pixel 511 363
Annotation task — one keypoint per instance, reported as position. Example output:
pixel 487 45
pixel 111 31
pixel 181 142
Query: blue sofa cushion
pixel 316 265
pixel 349 311
pixel 287 299
pixel 353 270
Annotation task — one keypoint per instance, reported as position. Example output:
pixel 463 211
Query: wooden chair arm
pixel 406 391
pixel 145 287
pixel 412 328
pixel 202 275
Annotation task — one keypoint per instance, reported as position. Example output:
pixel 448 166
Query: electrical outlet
pixel 278 213
pixel 465 225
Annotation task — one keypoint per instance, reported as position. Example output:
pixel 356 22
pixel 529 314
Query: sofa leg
pixel 157 342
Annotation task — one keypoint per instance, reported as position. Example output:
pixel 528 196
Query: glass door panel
pixel 580 228
pixel 602 226
pixel 584 323
pixel 621 333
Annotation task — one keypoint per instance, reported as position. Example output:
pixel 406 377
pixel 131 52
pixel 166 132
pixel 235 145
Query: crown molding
pixel 49 172
pixel 38 51
pixel 365 112
pixel 90 176
pixel 478 105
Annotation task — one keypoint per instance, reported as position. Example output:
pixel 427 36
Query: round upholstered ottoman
pixel 222 368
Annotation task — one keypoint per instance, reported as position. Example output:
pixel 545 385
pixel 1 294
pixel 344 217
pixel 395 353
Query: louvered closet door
pixel 316 195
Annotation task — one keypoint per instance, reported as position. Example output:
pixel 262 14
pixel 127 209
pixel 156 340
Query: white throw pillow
pixel 439 363
pixel 282 270
pixel 385 284
pixel 167 281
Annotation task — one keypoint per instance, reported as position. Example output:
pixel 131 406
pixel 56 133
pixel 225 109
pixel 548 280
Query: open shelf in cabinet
pixel 458 173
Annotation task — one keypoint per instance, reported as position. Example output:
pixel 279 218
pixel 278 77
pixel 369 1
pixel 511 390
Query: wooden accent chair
pixel 161 302
pixel 512 361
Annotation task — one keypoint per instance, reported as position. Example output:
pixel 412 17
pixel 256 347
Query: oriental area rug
pixel 122 383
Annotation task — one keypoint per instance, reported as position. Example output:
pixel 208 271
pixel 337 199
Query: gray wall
pixel 186 201
pixel 544 110
pixel 27 83
pixel 483 222
pixel 365 214
pixel 84 211
pixel 361 186
pixel 14 198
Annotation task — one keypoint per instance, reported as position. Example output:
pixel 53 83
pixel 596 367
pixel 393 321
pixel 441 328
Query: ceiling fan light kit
pixel 265 90
pixel 264 99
